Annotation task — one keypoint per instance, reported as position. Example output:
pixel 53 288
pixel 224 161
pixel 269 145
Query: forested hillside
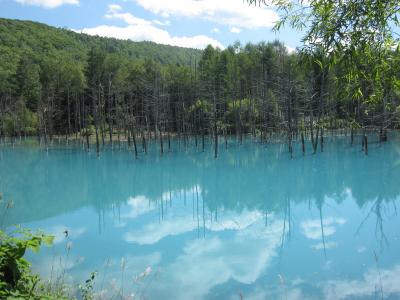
pixel 21 37
pixel 57 82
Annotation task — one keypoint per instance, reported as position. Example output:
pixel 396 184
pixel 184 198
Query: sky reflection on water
pixel 186 226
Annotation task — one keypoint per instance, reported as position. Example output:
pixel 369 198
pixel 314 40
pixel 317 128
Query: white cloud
pixel 374 283
pixel 235 30
pixel 162 23
pixel 114 8
pixel 152 233
pixel 153 34
pixel 327 245
pixel 215 30
pixel 138 29
pixel 290 50
pixel 114 12
pixel 138 206
pixel 312 228
pixel 366 287
pixel 218 11
pixel 48 3
pixel 207 263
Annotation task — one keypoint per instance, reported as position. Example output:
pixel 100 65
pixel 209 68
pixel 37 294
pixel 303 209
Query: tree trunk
pixel 215 130
pixel 322 140
pixel 134 142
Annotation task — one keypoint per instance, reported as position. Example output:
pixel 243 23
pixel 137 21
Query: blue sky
pixel 187 23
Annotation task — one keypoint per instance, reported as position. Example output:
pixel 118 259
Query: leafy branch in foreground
pixel 346 30
pixel 16 278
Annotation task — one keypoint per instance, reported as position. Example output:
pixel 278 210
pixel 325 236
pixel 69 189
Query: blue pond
pixel 252 224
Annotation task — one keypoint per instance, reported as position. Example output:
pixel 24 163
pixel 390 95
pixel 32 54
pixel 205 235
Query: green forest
pixel 57 82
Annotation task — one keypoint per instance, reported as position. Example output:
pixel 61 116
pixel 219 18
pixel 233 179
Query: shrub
pixel 16 279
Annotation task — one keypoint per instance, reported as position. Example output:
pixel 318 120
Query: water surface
pixel 252 224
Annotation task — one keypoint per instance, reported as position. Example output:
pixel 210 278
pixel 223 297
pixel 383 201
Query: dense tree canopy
pixel 64 83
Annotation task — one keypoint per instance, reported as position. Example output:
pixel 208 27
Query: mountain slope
pixel 18 36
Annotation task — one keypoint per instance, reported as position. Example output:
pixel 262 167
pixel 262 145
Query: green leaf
pixel 48 240
pixel 319 63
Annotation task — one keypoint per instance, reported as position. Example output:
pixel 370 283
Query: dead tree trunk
pixel 215 130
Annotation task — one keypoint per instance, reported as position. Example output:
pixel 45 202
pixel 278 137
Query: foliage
pixel 86 289
pixel 39 39
pixel 357 36
pixel 16 279
pixel 61 82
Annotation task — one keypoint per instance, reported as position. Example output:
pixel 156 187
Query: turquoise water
pixel 252 224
